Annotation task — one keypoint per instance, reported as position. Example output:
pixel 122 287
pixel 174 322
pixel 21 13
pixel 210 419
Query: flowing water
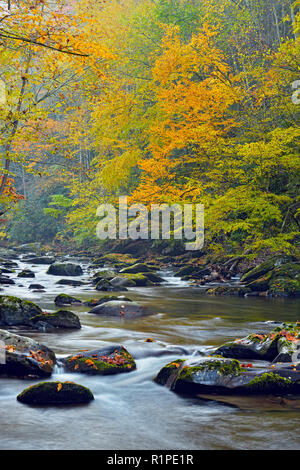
pixel 130 411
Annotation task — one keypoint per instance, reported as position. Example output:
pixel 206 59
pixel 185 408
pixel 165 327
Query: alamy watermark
pixel 162 221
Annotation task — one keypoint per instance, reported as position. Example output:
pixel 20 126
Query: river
pixel 129 410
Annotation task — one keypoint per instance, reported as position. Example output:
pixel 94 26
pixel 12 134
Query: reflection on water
pixel 130 411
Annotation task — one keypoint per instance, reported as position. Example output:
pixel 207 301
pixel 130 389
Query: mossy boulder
pixel 104 274
pixel 228 377
pixel 15 311
pixel 26 273
pixel 131 280
pixel 107 361
pixel 25 357
pixel 121 309
pixel 281 287
pixel 65 299
pixel 55 393
pixel 70 282
pixel 104 285
pixel 282 344
pixel 62 319
pixel 136 269
pixel 65 269
pixel 265 267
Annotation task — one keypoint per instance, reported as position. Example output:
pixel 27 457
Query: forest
pixel 175 104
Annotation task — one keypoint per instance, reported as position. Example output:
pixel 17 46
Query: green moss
pixel 166 372
pixel 55 393
pixel 269 381
pixel 224 368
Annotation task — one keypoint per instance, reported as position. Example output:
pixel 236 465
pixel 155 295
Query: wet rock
pixel 65 299
pixel 6 280
pixel 15 311
pixel 103 275
pixel 282 344
pixel 26 273
pixel 9 264
pixel 6 270
pixel 65 269
pixel 136 269
pixel 106 361
pixel 25 357
pixel 36 286
pixel 41 260
pixel 131 280
pixel 104 285
pixel 228 377
pixel 62 319
pixel 55 393
pixel 122 309
pixel 70 282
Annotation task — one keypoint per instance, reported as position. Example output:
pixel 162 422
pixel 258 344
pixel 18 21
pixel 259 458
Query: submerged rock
pixel 107 361
pixel 229 377
pixel 62 319
pixel 25 357
pixel 70 282
pixel 55 393
pixel 282 344
pixel 65 269
pixel 6 280
pixel 122 309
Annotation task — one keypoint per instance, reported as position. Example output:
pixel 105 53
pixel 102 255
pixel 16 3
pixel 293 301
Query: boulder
pixel 62 319
pixel 118 260
pixel 70 282
pixel 6 280
pixel 265 267
pixel 228 290
pixel 26 273
pixel 55 393
pixel 65 299
pixel 229 377
pixel 65 269
pixel 104 285
pixel 15 311
pixel 36 286
pixel 131 280
pixel 282 344
pixel 107 361
pixel 136 269
pixel 121 309
pixel 25 357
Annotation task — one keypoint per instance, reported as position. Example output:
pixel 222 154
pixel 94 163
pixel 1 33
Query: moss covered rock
pixel 228 377
pixel 137 268
pixel 65 269
pixel 119 260
pixel 26 273
pixel 107 361
pixel 104 299
pixel 265 267
pixel 282 344
pixel 55 393
pixel 62 319
pixel 65 299
pixel 228 290
pixel 15 311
